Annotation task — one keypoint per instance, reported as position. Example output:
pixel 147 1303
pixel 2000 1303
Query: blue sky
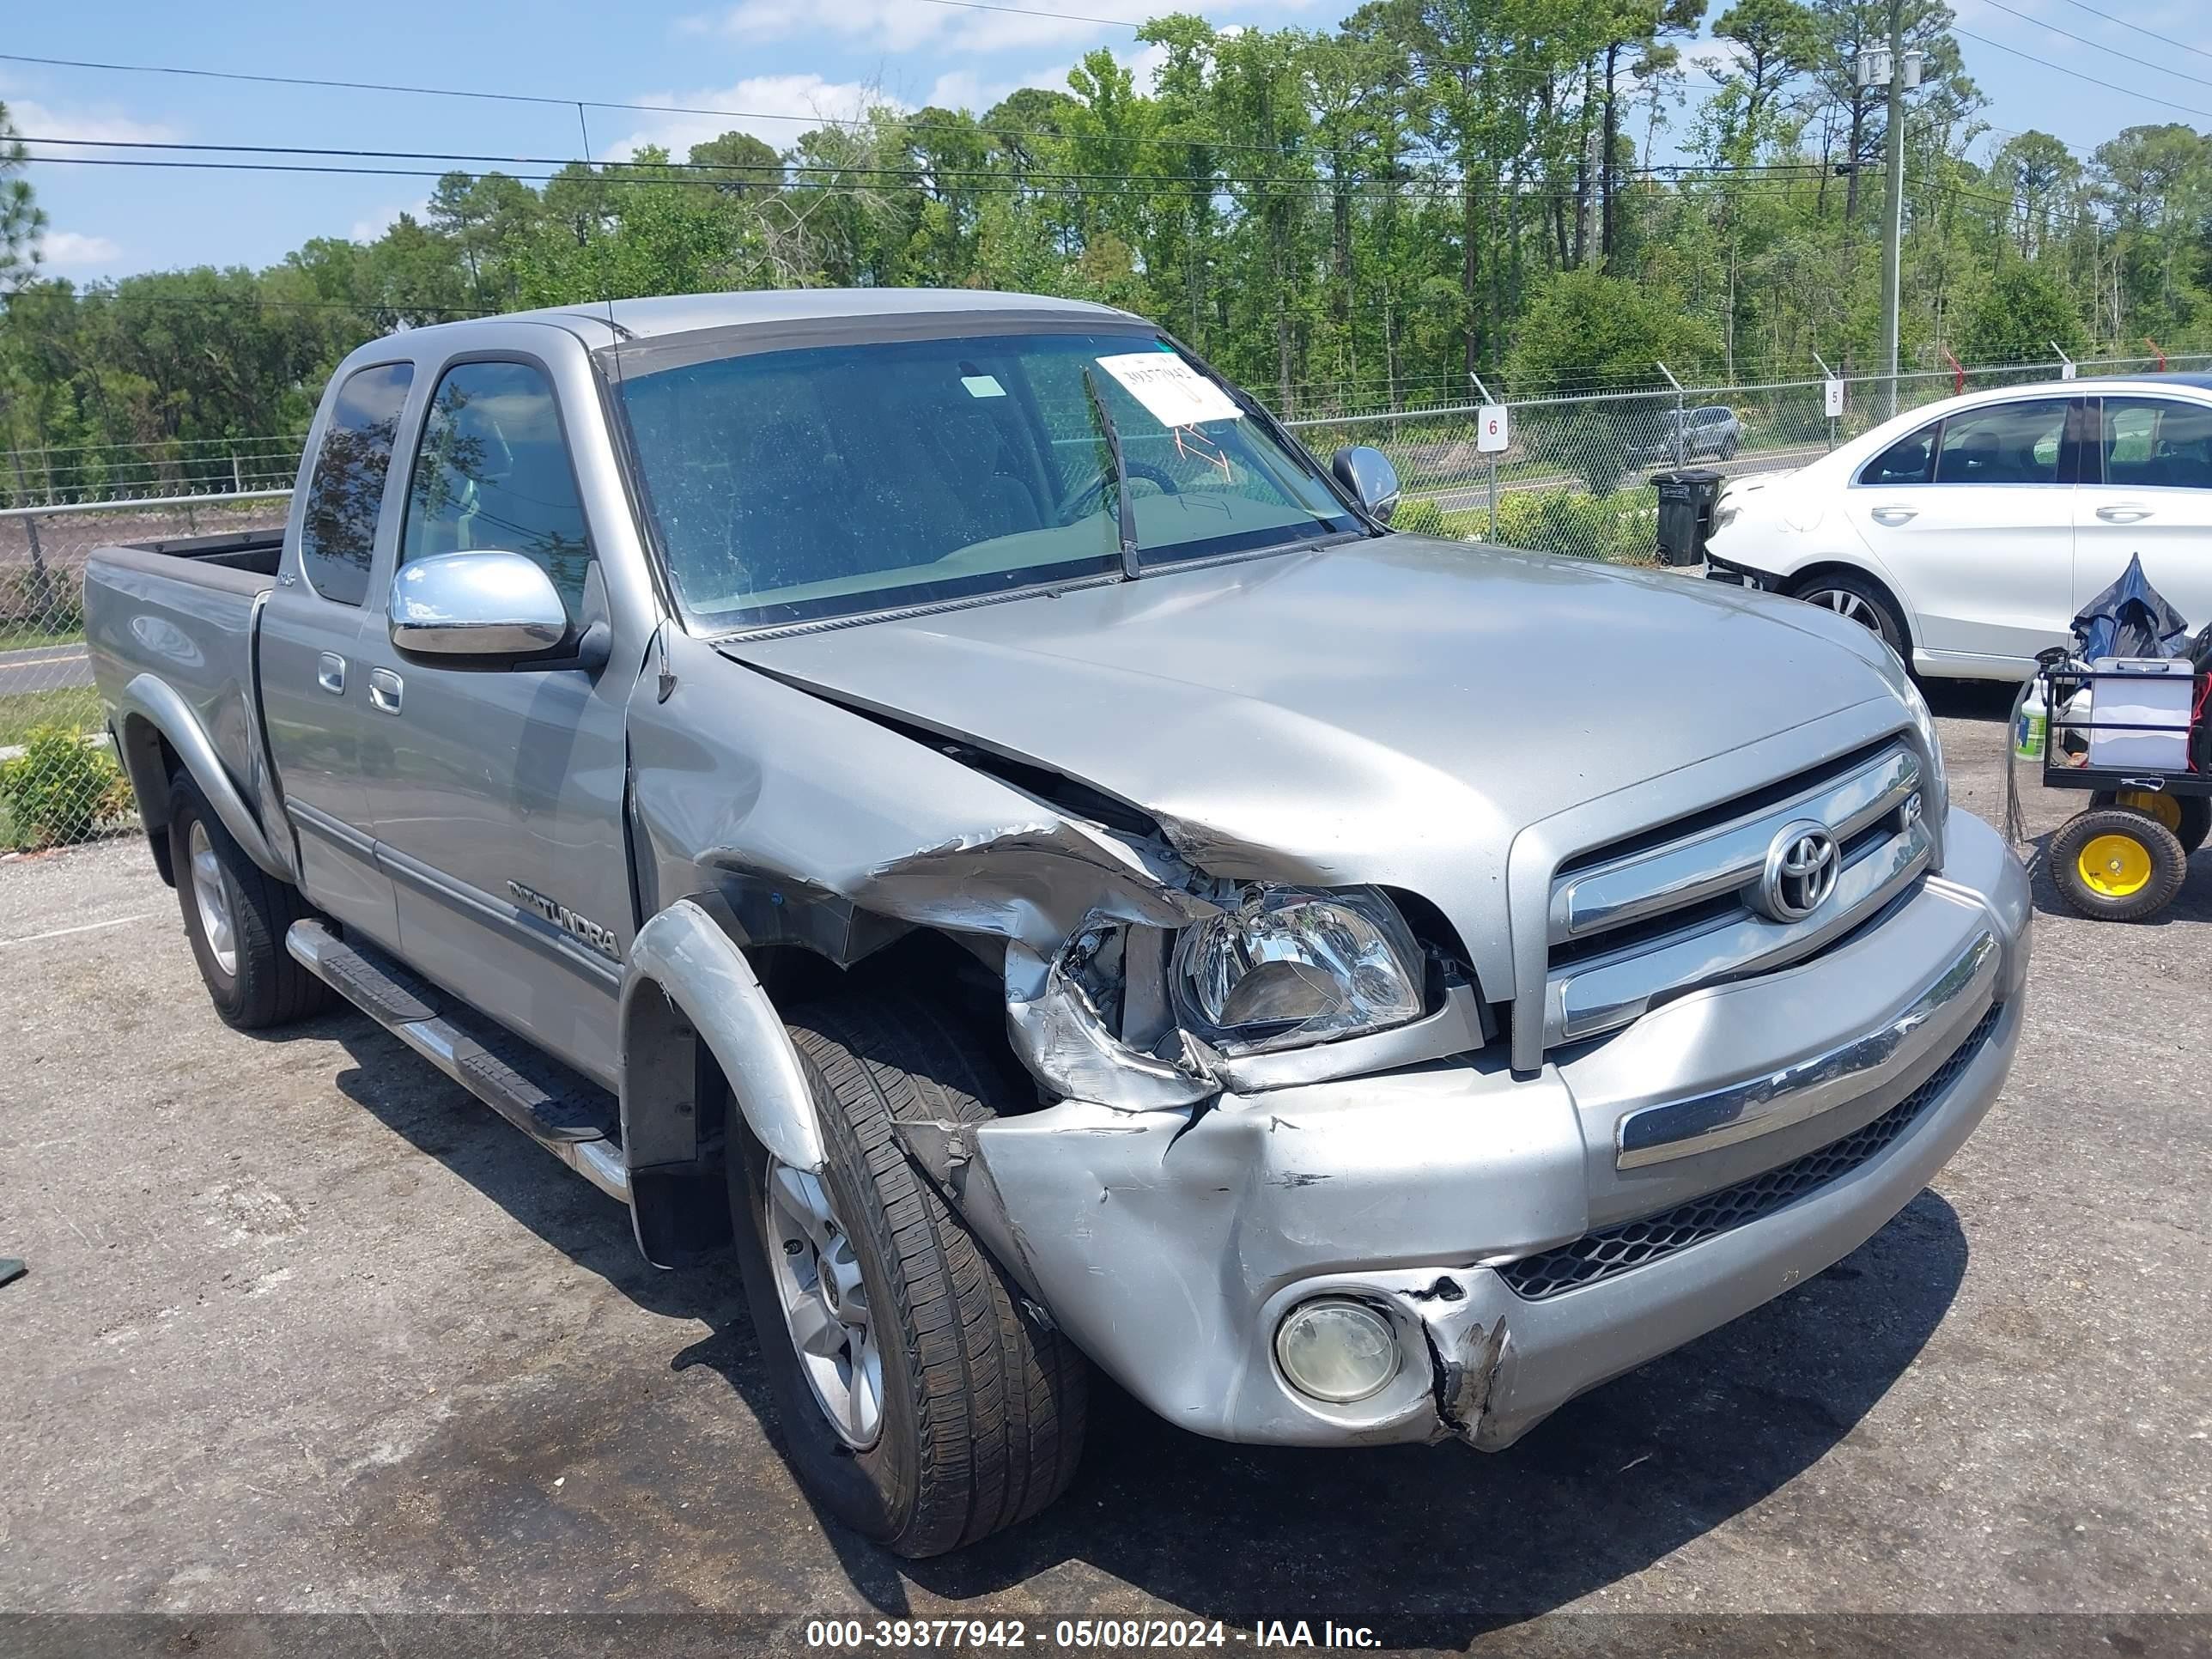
pixel 773 58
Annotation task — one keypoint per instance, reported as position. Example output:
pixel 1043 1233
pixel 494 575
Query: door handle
pixel 329 672
pixel 2123 515
pixel 1893 516
pixel 384 688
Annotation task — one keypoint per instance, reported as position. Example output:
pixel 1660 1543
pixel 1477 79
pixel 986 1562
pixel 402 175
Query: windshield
pixel 830 481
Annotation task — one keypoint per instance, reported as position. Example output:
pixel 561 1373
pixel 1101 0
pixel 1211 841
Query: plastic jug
pixel 2031 730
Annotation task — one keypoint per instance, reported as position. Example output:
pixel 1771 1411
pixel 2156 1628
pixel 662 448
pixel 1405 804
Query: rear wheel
pixel 2190 817
pixel 236 915
pixel 2115 864
pixel 1860 601
pixel 921 1405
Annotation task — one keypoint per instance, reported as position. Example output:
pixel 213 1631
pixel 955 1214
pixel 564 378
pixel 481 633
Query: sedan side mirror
pixel 1368 474
pixel 484 605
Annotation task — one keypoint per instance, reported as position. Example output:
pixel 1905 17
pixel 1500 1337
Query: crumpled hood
pixel 1351 714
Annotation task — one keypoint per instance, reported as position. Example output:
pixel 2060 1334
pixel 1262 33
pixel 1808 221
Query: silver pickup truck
pixel 939 794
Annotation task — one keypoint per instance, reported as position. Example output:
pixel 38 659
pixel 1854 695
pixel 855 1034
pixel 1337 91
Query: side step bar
pixel 570 1116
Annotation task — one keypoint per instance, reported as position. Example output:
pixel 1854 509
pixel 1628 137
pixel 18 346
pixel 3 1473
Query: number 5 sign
pixel 1493 429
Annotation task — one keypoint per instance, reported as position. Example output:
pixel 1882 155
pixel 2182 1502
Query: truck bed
pixel 183 611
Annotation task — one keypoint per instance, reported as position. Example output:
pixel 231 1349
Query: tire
pixel 981 1408
pixel 2190 817
pixel 236 915
pixel 1728 449
pixel 2115 864
pixel 1862 601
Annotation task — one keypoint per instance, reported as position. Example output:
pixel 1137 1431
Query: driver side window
pixel 492 470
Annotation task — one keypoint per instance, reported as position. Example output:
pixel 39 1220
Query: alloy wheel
pixel 211 894
pixel 825 1304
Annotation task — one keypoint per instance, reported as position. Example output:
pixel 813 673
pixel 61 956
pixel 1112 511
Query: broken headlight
pixel 1291 965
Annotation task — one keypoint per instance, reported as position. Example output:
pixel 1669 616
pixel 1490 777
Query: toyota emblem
pixel 1802 867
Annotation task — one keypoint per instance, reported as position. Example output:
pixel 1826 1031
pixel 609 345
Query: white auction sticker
pixel 1171 390
pixel 982 386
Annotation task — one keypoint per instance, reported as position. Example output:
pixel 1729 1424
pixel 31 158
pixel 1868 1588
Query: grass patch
pixel 73 708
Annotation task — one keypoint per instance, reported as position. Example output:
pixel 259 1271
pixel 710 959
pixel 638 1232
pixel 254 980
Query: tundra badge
pixel 599 939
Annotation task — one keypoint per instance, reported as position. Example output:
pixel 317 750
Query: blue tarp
pixel 2130 618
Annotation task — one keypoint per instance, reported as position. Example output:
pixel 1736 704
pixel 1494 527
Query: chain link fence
pixel 1575 479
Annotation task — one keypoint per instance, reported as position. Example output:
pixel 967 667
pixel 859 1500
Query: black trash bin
pixel 1685 512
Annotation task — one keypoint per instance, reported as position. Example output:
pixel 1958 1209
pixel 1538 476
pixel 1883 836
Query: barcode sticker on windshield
pixel 1171 390
pixel 982 386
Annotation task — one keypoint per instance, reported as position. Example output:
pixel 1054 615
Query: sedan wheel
pixel 1859 603
pixel 1850 604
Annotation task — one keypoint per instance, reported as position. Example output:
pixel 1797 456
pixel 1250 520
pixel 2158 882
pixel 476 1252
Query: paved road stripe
pixel 88 927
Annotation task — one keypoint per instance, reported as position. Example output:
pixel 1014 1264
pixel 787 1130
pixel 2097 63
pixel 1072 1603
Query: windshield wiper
pixel 1132 567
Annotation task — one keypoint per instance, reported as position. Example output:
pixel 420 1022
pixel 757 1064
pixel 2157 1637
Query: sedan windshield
pixel 829 481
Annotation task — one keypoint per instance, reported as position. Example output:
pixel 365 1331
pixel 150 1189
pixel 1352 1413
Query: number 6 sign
pixel 1493 429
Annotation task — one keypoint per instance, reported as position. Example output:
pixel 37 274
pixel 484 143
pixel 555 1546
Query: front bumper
pixel 1525 1246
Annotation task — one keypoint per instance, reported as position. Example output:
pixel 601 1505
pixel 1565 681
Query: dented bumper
pixel 1522 1249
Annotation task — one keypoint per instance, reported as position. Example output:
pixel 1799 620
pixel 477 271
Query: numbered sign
pixel 1492 429
pixel 1834 395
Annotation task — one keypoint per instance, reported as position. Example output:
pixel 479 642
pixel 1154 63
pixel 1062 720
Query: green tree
pixel 2021 314
pixel 1585 329
pixel 21 220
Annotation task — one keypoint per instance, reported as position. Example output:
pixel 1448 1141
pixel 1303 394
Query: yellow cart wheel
pixel 2117 864
pixel 2190 817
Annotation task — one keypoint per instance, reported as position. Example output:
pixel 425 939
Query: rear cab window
pixel 338 531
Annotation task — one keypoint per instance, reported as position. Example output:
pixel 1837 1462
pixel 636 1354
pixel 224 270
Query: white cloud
pixel 72 250
pixel 894 26
pixel 963 88
pixel 775 108
pixel 372 227
pixel 36 120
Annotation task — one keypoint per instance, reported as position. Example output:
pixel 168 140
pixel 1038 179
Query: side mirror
pixel 1368 474
pixel 484 605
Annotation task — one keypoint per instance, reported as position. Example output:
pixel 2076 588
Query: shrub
pixel 1422 518
pixel 62 789
pixel 1621 528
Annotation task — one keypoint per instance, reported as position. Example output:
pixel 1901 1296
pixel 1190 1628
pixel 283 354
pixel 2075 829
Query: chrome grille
pixel 1630 927
pixel 1600 1255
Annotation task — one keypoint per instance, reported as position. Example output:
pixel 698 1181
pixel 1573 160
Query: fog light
pixel 1335 1349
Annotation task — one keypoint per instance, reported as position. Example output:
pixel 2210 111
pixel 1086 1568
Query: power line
pixel 2110 86
pixel 547 100
pixel 748 173
pixel 2164 39
pixel 994 185
pixel 2095 45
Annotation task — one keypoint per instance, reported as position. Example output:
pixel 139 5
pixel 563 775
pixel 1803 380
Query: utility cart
pixel 2126 730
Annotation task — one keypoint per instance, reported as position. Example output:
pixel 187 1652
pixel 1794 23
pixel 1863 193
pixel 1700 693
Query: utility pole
pixel 1900 71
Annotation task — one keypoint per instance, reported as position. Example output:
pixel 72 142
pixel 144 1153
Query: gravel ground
pixel 306 1331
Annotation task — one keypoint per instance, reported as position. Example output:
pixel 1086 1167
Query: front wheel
pixel 922 1405
pixel 2114 864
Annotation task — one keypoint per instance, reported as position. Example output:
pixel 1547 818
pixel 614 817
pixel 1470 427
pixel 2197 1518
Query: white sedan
pixel 1968 532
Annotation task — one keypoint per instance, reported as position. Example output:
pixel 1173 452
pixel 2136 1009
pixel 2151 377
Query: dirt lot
pixel 306 1331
